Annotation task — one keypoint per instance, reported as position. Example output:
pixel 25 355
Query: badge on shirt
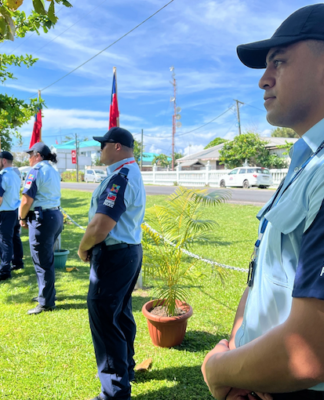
pixel 111 198
pixel 28 183
pixel 115 188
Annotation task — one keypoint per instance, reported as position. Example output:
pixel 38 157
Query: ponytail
pixel 51 157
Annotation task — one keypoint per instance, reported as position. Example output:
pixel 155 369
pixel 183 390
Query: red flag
pixel 114 112
pixel 56 142
pixel 37 130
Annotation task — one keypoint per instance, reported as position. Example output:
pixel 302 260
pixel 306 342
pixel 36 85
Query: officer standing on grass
pixel 112 244
pixel 10 244
pixel 39 211
pixel 276 344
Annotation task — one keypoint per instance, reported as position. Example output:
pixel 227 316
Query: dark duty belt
pixel 119 246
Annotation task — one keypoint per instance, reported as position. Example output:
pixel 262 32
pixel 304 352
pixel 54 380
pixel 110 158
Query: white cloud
pixel 192 149
pixel 155 150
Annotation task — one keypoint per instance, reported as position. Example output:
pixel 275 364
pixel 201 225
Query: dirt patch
pixel 161 311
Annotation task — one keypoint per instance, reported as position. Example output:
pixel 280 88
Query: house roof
pixel 70 145
pixel 209 154
pixel 213 152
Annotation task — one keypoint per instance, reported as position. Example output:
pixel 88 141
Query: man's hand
pixel 23 224
pixel 84 255
pixel 225 392
pixel 219 392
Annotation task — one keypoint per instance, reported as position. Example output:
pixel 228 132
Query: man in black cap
pixel 276 345
pixel 11 251
pixel 112 244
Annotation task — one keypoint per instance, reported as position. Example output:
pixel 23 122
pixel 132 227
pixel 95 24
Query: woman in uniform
pixel 39 211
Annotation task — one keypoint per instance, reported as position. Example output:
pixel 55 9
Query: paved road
pixel 239 196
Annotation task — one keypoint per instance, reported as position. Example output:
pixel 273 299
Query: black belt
pixel 119 246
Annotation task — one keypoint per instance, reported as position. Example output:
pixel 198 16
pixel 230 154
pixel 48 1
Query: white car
pixel 246 177
pixel 94 175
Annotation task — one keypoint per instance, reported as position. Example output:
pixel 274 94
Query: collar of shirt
pixel 111 168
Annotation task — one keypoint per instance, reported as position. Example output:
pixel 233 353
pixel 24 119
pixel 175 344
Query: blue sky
pixel 198 38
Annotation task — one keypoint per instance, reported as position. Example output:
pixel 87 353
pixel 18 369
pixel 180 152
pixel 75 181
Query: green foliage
pixel 180 224
pixel 284 132
pixel 14 23
pixel 162 160
pixel 71 176
pixel 287 146
pixel 137 151
pixel 249 147
pixel 215 142
pixel 97 162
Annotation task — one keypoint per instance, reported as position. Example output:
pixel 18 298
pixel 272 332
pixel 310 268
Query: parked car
pixel 246 177
pixel 94 175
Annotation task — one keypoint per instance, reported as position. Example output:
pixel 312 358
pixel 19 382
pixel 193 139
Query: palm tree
pixel 176 226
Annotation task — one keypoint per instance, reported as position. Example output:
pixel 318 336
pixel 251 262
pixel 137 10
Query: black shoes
pixel 4 277
pixel 16 267
pixel 39 309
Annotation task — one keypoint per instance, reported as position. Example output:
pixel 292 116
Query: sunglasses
pixel 102 145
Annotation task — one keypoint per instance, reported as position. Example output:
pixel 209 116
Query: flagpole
pixel 40 133
pixel 115 72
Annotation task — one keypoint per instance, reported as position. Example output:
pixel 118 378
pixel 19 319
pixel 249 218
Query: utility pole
pixel 77 156
pixel 238 115
pixel 141 165
pixel 176 110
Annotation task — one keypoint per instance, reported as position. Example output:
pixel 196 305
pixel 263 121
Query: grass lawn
pixel 50 356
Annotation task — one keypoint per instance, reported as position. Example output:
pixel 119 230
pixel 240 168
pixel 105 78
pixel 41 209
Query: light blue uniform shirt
pixel 270 298
pixel 10 184
pixel 128 228
pixel 43 184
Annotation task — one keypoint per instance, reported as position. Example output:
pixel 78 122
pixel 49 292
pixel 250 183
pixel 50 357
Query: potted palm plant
pixel 167 236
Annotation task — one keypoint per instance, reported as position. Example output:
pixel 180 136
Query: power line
pixel 106 48
pixel 199 127
pixel 254 107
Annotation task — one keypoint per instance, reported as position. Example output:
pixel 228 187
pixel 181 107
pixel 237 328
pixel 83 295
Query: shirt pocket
pixel 285 220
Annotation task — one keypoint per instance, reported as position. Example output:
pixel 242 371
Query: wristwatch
pixel 22 219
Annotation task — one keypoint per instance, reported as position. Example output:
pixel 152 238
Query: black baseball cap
pixel 304 24
pixel 6 155
pixel 40 148
pixel 117 135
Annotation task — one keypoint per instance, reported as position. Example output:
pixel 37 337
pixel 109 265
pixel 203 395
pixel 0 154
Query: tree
pixel 162 160
pixel 177 156
pixel 284 132
pixel 14 23
pixel 137 151
pixel 215 142
pixel 249 147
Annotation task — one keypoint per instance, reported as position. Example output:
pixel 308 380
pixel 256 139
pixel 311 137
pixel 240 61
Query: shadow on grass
pixel 187 383
pixel 196 341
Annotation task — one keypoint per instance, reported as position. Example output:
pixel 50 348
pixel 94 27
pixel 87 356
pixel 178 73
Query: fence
pixel 207 176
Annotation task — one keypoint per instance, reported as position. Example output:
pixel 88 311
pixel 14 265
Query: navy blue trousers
pixel 113 276
pixel 10 243
pixel 43 232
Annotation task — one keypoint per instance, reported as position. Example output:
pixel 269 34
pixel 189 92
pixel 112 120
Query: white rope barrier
pixel 195 255
pixel 205 260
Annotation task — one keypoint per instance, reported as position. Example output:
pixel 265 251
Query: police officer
pixel 10 243
pixel 112 244
pixel 39 211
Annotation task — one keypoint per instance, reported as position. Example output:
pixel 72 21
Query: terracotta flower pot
pixel 167 331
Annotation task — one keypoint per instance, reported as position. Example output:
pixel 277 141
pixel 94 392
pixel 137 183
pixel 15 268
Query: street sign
pixel 73 155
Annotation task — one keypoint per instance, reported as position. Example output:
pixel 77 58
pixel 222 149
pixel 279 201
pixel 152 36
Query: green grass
pixel 50 356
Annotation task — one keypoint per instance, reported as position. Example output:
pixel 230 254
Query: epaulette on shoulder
pixel 124 172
